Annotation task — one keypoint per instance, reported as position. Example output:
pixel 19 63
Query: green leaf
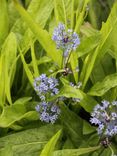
pixel 88 44
pixel 42 35
pixel 87 128
pixel 29 142
pixel 74 65
pixel 13 15
pixel 75 152
pixel 69 91
pixel 8 57
pixel 22 100
pixel 62 11
pixel 72 123
pixel 59 11
pixel 15 112
pixel 86 102
pixel 107 31
pixel 40 11
pixel 93 13
pixel 26 68
pixel 4 24
pixel 80 15
pixel 49 147
pixel 34 62
pixel 100 88
pixel 68 144
pixel 7 151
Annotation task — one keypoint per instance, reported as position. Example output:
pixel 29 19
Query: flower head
pixel 44 86
pixel 48 111
pixel 105 116
pixel 66 40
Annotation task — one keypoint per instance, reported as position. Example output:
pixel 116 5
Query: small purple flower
pixel 44 85
pixel 48 111
pixel 44 117
pixel 66 40
pixel 105 116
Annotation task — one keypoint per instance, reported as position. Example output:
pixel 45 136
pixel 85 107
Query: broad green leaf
pixel 13 15
pixel 8 56
pixel 86 102
pixel 100 88
pixel 87 128
pixel 90 140
pixel 106 152
pixel 2 83
pixel 34 62
pixel 93 14
pixel 27 2
pixel 107 31
pixel 69 91
pixel 73 124
pixel 26 68
pixel 59 10
pixel 88 30
pixel 40 11
pixel 102 69
pixel 42 35
pixel 22 100
pixel 49 147
pixel 68 144
pixel 88 67
pixel 88 44
pixel 7 151
pixel 15 112
pixel 43 60
pixel 29 142
pixel 10 52
pixel 74 65
pixel 80 16
pixel 62 9
pixel 75 152
pixel 4 21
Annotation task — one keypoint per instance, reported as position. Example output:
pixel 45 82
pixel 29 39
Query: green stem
pixel 68 59
pixel 111 150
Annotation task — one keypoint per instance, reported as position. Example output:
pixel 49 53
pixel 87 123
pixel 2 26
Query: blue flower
pixel 46 87
pixel 105 116
pixel 66 40
pixel 48 111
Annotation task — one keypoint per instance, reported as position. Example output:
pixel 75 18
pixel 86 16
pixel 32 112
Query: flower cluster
pixel 48 111
pixel 105 116
pixel 66 40
pixel 46 87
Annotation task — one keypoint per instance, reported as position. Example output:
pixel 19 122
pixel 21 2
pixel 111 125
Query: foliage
pixel 84 77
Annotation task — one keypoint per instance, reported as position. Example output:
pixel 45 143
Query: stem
pixel 62 66
pixel 111 150
pixel 68 59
